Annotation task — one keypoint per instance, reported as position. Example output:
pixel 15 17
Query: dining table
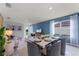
pixel 42 43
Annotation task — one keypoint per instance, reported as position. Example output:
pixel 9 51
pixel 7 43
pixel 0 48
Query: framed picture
pixel 19 28
pixel 15 27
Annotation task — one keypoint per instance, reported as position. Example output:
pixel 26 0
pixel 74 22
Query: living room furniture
pixel 33 49
pixel 54 48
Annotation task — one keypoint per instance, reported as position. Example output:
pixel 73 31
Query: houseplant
pixel 2 41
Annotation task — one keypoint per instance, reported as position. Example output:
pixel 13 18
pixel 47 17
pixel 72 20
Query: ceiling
pixel 30 13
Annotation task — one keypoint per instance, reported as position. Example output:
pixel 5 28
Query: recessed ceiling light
pixel 50 8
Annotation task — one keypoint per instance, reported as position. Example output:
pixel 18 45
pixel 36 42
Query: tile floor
pixel 22 50
pixel 72 51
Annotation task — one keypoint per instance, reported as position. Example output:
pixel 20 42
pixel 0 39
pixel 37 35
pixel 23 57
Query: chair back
pixel 33 49
pixel 54 49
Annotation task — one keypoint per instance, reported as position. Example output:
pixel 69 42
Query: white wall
pixel 30 29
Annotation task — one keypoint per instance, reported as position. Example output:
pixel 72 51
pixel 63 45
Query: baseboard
pixel 75 45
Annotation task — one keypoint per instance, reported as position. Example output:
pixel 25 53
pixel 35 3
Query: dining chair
pixel 33 49
pixel 63 39
pixel 54 48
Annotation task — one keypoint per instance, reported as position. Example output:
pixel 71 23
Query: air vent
pixel 8 5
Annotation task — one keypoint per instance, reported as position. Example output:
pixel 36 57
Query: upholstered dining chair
pixel 63 39
pixel 54 48
pixel 33 49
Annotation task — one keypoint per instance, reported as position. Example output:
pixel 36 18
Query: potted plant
pixel 2 40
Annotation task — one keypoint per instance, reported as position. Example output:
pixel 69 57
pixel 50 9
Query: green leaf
pixel 2 31
pixel 2 40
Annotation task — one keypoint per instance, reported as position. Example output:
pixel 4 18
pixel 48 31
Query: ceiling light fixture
pixel 50 8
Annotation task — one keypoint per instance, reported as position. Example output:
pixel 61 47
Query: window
pixel 65 23
pixel 57 25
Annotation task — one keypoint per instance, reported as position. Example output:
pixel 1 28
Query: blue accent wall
pixel 45 26
pixel 35 27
